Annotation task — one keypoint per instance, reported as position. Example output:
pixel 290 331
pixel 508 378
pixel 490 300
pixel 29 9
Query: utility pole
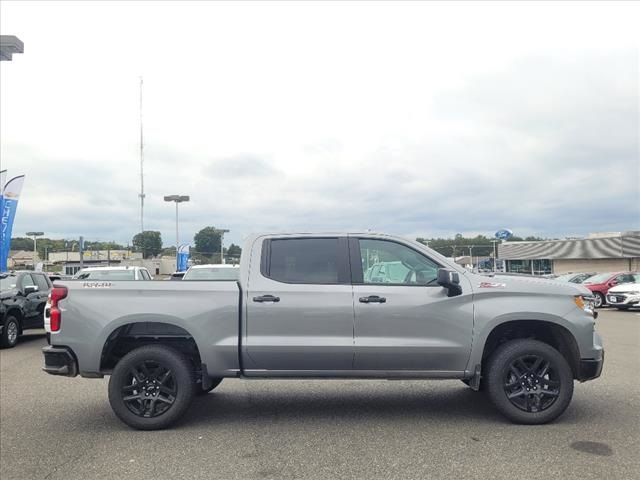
pixel 141 195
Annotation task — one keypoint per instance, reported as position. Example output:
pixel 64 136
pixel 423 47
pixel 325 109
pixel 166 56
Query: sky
pixel 416 119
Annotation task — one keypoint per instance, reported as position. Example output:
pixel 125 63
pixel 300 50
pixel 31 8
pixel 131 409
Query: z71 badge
pixel 96 285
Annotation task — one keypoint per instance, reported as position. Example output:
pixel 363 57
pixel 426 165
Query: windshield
pixel 212 273
pixel 8 283
pixel 105 275
pixel 600 278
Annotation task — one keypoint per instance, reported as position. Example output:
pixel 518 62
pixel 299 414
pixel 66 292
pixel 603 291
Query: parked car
pixel 601 283
pixel 574 277
pixel 113 273
pixel 213 272
pixel 22 300
pixel 625 296
pixel 302 308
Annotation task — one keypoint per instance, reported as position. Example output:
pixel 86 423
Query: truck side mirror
pixel 30 289
pixel 450 280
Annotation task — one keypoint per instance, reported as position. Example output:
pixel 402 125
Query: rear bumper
pixel 590 368
pixel 60 361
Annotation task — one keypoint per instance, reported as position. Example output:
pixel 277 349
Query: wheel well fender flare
pixel 543 323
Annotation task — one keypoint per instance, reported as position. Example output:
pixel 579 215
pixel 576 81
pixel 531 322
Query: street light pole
pixel 177 199
pixel 35 235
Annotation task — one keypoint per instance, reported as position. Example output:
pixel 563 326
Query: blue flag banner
pixel 182 259
pixel 8 207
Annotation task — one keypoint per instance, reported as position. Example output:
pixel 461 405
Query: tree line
pixel 459 245
pixel 206 245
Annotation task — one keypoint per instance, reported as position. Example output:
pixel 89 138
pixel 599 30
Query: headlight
pixel 586 303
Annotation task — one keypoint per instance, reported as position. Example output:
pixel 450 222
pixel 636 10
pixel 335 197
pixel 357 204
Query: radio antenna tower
pixel 141 195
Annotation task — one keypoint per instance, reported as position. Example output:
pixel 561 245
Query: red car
pixel 601 283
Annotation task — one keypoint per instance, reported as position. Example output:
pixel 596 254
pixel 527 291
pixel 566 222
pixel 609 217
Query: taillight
pixel 55 316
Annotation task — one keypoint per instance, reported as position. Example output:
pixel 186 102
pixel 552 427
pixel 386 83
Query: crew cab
pixel 304 308
pixel 22 299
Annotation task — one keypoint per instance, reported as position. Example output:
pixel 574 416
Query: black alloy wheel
pixel 531 383
pixel 151 387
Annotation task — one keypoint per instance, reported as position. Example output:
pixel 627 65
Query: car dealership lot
pixel 64 428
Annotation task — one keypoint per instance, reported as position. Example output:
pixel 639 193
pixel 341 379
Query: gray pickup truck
pixel 327 306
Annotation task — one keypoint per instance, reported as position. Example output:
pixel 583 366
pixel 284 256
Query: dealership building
pixel 602 252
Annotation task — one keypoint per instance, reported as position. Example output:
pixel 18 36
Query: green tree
pixel 234 251
pixel 148 242
pixel 22 243
pixel 103 246
pixel 207 242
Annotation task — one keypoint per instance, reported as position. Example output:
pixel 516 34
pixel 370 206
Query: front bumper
pixel 590 368
pixel 60 361
pixel 623 299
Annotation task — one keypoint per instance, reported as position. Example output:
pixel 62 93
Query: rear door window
pixel 305 260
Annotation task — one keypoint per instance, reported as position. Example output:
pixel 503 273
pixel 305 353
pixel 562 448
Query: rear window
pixel 106 275
pixel 600 278
pixel 304 260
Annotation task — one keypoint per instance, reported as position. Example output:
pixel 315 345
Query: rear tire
pixel 151 387
pixel 10 333
pixel 529 381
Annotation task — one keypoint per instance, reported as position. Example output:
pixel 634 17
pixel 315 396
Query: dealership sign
pixel 504 234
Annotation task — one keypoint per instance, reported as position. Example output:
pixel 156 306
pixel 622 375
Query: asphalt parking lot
pixel 61 428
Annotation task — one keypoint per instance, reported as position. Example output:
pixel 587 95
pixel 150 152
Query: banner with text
pixel 8 207
pixel 182 260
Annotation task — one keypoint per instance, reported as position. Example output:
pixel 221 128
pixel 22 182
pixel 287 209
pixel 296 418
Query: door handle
pixel 266 298
pixel 373 299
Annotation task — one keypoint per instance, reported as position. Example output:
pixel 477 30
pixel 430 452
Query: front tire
pixel 10 333
pixel 529 381
pixel 598 300
pixel 151 387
